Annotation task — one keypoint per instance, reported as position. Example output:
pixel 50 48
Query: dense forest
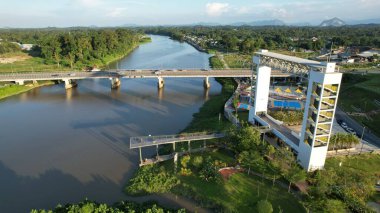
pixel 248 39
pixel 69 47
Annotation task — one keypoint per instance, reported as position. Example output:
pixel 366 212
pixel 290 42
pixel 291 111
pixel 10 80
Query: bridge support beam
pixel 115 83
pixel 69 83
pixel 161 82
pixel 20 82
pixel 206 83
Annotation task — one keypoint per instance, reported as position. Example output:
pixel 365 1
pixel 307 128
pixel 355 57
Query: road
pixel 133 74
pixel 368 136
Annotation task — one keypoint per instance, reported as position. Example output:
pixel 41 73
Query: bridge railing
pixel 136 142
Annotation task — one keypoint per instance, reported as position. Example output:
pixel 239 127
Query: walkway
pixel 145 141
pixel 282 129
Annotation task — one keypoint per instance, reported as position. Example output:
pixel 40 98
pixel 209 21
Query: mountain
pixel 274 22
pixel 205 24
pixel 334 22
pixel 366 21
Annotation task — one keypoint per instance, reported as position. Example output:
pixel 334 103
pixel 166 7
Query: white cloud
pixel 90 3
pixel 216 9
pixel 117 12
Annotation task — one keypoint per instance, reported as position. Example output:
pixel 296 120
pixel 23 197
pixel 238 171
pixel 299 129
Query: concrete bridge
pixel 115 75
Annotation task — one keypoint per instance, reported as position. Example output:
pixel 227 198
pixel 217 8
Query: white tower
pixel 322 96
pixel 260 100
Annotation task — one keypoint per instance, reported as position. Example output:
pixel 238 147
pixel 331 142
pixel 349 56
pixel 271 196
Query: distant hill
pixel 274 22
pixel 366 21
pixel 205 24
pixel 334 22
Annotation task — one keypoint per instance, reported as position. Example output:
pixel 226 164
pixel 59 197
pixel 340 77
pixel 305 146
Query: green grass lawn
pixel 238 60
pixel 367 163
pixel 15 89
pixel 361 92
pixel 241 192
pixel 32 64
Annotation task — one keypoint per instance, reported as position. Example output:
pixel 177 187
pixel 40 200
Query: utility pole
pixel 361 140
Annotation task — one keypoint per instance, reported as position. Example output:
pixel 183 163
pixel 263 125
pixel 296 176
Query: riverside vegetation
pixel 66 49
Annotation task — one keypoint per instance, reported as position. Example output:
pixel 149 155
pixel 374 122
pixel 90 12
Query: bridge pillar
pixel 20 82
pixel 141 161
pixel 189 146
pixel 115 83
pixel 161 82
pixel 69 83
pixel 206 83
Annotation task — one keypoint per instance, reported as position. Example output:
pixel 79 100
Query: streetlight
pixel 361 140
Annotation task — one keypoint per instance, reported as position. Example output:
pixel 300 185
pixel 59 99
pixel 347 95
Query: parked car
pixel 344 125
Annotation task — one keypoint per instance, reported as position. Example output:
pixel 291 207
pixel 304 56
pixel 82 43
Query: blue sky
pixel 62 13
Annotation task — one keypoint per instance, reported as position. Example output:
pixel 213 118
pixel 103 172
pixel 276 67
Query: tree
pixel 264 206
pixel 294 174
pixel 209 172
pixel 244 139
pixel 197 161
pixel 334 206
pixel 250 159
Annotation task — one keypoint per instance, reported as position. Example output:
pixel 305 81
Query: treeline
pixel 7 47
pixel 343 141
pixel 120 207
pixel 79 47
pixel 248 39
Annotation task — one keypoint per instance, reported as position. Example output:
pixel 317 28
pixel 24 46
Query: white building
pixel 322 95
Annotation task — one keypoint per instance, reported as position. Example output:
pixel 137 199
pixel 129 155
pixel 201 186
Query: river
pixel 60 146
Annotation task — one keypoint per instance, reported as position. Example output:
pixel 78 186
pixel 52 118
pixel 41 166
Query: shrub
pixel 151 179
pixel 197 162
pixel 264 206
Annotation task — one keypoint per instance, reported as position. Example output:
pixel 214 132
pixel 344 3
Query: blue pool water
pixel 287 104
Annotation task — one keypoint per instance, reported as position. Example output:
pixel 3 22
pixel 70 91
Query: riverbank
pixel 113 58
pixel 38 64
pixel 14 89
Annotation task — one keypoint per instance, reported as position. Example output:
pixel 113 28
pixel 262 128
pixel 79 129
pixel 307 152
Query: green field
pixel 15 89
pixel 32 64
pixel 361 92
pixel 238 60
pixel 367 164
pixel 241 193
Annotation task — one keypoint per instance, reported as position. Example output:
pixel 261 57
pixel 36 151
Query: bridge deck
pixel 145 141
pixel 75 75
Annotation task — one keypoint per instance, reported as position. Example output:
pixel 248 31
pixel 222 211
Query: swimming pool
pixel 287 104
